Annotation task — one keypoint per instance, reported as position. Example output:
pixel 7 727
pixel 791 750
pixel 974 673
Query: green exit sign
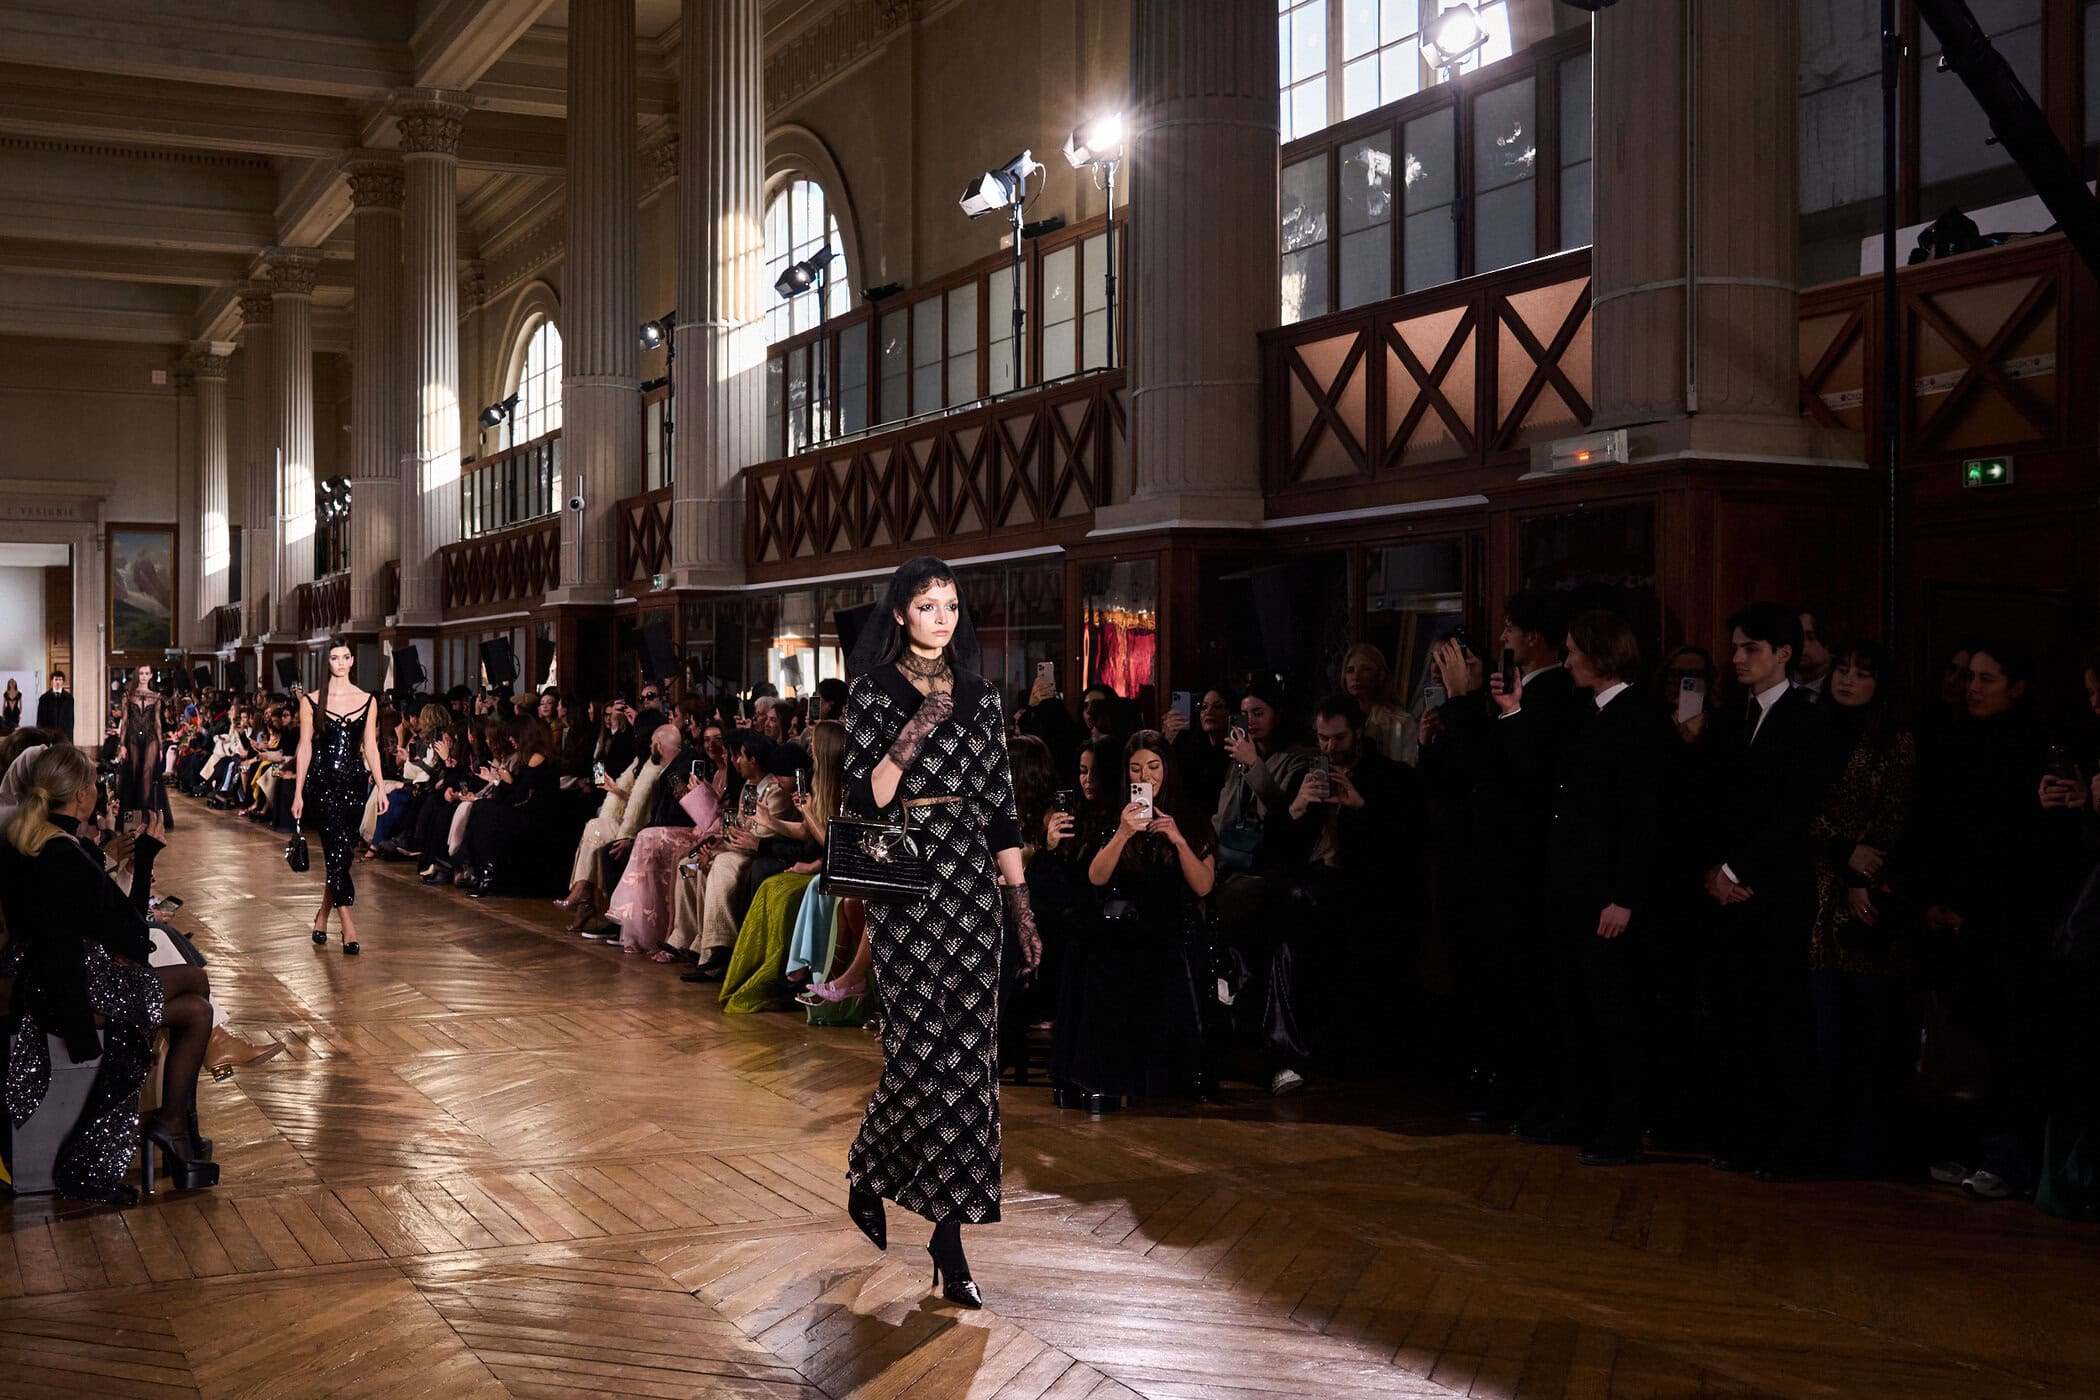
pixel 1987 471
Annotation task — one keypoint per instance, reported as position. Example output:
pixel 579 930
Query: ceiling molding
pixel 190 43
pixel 456 43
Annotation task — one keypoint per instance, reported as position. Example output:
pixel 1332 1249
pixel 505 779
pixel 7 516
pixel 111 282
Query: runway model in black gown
pixel 139 785
pixel 338 763
pixel 927 732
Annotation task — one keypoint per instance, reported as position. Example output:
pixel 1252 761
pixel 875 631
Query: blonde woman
pixel 79 950
pixel 1388 726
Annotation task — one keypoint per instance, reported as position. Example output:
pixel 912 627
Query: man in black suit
pixel 1768 763
pixel 54 708
pixel 1498 770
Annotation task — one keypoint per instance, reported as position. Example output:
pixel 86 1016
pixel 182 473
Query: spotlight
pixel 1454 36
pixel 655 334
pixel 1002 188
pixel 499 412
pixel 801 276
pixel 1096 141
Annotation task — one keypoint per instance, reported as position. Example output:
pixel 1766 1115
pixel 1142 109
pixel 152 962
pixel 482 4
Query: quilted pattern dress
pixel 930 1140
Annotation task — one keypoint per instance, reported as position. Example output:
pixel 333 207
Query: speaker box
pixel 236 677
pixel 659 661
pixel 497 662
pixel 287 672
pixel 201 678
pixel 408 667
pixel 849 622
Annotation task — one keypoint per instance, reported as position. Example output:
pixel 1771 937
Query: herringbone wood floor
pixel 496 1160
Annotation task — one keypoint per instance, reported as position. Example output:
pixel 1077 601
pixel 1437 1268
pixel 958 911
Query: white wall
pixel 22 632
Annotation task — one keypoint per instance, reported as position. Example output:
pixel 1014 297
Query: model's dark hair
pixel 1774 624
pixel 884 640
pixel 1609 643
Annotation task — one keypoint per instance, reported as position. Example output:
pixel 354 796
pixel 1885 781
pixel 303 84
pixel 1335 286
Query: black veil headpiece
pixel 881 640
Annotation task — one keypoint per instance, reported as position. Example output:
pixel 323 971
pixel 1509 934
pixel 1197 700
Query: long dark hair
pixel 1171 797
pixel 327 675
pixel 1035 784
pixel 884 640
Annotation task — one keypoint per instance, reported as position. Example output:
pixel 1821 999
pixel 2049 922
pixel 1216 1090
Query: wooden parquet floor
pixel 497 1160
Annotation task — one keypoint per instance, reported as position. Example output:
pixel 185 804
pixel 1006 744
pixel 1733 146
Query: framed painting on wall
pixel 141 588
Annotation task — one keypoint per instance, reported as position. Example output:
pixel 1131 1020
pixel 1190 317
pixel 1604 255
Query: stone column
pixel 430 121
pixel 718 378
pixel 376 387
pixel 259 493
pixel 1728 378
pixel 187 533
pixel 292 274
pixel 1203 267
pixel 207 363
pixel 600 391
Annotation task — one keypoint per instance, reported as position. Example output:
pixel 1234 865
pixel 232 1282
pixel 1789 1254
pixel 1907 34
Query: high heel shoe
pixel 226 1052
pixel 827 993
pixel 866 1209
pixel 960 1288
pixel 188 1173
pixel 320 937
pixel 197 1138
pixel 351 948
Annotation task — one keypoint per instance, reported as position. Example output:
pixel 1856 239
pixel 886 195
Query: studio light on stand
pixel 813 273
pixel 1098 145
pixel 1006 188
pixel 1454 36
pixel 662 334
pixel 504 411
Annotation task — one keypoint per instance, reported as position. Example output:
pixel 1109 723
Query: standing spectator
pixel 1866 1025
pixel 1389 727
pixel 1820 632
pixel 54 708
pixel 1679 1091
pixel 1606 829
pixel 1769 765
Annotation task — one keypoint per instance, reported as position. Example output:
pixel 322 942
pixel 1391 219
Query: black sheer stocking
pixel 186 1016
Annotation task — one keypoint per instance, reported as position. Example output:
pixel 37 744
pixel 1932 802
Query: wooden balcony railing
pixel 1999 346
pixel 324 604
pixel 504 567
pixel 1026 470
pixel 226 625
pixel 1464 375
pixel 645 535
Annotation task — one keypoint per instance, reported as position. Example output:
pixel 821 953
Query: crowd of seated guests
pixel 1704 908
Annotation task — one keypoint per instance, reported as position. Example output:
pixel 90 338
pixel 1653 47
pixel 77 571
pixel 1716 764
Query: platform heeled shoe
pixel 188 1173
pixel 866 1209
pixel 946 1251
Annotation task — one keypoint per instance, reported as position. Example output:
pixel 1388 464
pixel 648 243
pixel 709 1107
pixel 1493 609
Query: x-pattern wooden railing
pixel 517 565
pixel 324 604
pixel 645 535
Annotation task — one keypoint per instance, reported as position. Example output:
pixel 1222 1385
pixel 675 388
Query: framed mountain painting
pixel 141 587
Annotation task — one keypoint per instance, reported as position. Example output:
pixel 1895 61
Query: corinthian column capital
pixel 256 306
pixel 375 182
pixel 431 119
pixel 293 271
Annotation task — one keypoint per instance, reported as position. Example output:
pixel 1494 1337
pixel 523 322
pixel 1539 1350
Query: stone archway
pixel 71 513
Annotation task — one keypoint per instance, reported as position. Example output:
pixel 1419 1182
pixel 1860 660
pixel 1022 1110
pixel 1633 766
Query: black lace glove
pixel 931 712
pixel 1022 918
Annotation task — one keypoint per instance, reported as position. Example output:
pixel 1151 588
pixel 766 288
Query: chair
pixel 37 1141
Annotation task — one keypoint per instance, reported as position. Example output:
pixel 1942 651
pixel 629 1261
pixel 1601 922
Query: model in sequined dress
pixel 338 766
pixel 926 735
pixel 140 788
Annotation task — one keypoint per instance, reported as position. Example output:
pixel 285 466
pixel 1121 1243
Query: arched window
pixel 798 223
pixel 539 384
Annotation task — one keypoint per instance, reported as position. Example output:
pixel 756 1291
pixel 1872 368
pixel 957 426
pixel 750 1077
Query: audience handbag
pixel 295 851
pixel 874 860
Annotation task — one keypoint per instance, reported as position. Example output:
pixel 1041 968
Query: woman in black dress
pixel 927 732
pixel 338 761
pixel 139 787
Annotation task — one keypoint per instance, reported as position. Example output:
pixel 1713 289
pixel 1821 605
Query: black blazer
pixel 1505 766
pixel 1607 805
pixel 54 710
pixel 58 902
pixel 1765 795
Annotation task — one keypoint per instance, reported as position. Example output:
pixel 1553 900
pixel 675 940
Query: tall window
pixel 539 384
pixel 798 223
pixel 1338 59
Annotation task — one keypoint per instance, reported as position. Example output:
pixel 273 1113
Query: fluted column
pixel 430 121
pixel 1727 378
pixel 718 378
pixel 600 391
pixel 376 386
pixel 259 484
pixel 1203 268
pixel 212 557
pixel 187 535
pixel 292 274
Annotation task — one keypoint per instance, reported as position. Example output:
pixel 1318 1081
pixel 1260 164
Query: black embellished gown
pixel 930 1140
pixel 139 784
pixel 336 790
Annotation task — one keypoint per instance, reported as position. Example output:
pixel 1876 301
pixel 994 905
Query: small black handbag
pixel 876 861
pixel 295 851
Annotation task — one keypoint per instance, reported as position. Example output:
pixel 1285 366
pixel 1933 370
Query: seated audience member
pixel 759 977
pixel 1057 893
pixel 427 740
pixel 578 742
pixel 1388 726
pixel 627 799
pixel 645 808
pixel 1860 966
pixel 643 901
pixel 1129 1015
pixel 1768 761
pixel 1100 786
pixel 497 751
pixel 763 809
pixel 78 951
pixel 831 698
pixel 508 832
pixel 1267 767
pixel 1606 828
pixel 1199 747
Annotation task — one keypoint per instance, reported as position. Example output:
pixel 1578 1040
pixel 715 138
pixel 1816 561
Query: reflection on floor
pixel 499 1160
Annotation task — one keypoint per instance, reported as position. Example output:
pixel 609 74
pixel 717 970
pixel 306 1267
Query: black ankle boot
pixel 947 1251
pixel 866 1209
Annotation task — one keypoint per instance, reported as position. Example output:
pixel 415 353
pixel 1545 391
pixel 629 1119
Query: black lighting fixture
pixel 802 276
pixel 1006 189
pixel 813 273
pixel 1454 36
pixel 1098 145
pixel 881 293
pixel 497 413
pixel 661 333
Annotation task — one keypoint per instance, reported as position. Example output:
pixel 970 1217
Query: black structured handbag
pixel 295 851
pixel 876 861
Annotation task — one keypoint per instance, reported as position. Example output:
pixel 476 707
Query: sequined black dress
pixel 335 792
pixel 930 1140
pixel 139 784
